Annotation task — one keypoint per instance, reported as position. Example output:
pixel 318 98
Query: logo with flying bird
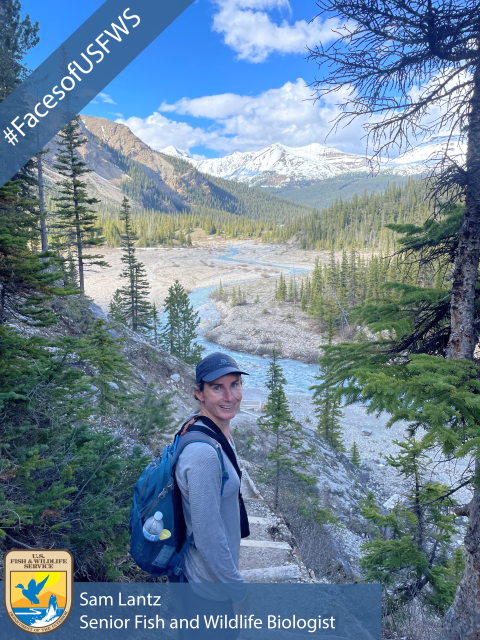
pixel 44 604
pixel 33 589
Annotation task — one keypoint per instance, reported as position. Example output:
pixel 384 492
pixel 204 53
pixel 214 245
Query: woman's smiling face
pixel 221 398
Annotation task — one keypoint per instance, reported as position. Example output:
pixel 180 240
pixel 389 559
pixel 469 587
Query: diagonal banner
pixel 75 73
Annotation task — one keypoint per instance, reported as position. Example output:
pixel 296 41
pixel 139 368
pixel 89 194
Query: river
pixel 299 376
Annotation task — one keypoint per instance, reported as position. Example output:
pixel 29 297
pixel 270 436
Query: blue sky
pixel 226 76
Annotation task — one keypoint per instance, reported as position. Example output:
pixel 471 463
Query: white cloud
pixel 106 98
pixel 251 32
pixel 159 132
pixel 118 115
pixel 247 123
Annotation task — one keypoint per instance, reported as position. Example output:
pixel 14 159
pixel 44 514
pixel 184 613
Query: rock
pixel 392 501
pixel 97 311
pixel 175 377
pixel 364 476
pixel 366 432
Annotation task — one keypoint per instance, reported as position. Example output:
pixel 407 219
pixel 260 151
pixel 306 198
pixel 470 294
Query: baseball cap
pixel 216 365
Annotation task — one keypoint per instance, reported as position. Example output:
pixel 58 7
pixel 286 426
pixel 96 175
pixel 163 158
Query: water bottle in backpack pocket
pixel 153 529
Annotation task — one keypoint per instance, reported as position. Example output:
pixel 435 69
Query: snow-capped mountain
pixel 282 166
pixel 173 151
pixel 278 165
pixel 427 154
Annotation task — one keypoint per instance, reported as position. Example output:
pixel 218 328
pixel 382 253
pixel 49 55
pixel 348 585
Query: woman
pixel 213 516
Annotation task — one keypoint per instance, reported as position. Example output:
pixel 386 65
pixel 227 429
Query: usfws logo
pixel 38 588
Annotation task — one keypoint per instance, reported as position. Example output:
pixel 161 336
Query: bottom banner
pixel 196 612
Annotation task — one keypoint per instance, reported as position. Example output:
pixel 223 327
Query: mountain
pixel 176 153
pixel 44 599
pixel 316 175
pixel 425 155
pixel 122 164
pixel 278 165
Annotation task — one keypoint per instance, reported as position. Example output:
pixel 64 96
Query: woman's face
pixel 221 398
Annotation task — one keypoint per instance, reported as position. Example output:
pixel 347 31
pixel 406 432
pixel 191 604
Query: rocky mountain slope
pixel 122 164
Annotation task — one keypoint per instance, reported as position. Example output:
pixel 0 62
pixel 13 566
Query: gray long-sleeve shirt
pixel 211 566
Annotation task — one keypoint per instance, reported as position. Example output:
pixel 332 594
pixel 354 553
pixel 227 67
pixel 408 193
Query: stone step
pixel 261 532
pixel 259 520
pixel 255 557
pixel 253 499
pixel 272 574
pixel 264 544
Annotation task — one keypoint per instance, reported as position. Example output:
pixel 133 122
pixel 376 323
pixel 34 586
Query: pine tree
pixel 220 292
pixel 279 423
pixel 41 199
pixel 17 37
pixel 135 307
pixel 25 283
pixel 290 291
pixel 115 308
pixel 64 485
pixel 327 410
pixel 409 375
pixel 112 371
pixel 281 289
pixel 180 330
pixel 410 552
pixel 76 220
pixel 355 455
pixel 155 323
pixel 152 416
pixel 142 307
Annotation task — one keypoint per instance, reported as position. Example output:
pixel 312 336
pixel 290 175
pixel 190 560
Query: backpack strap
pixel 196 436
pixel 219 437
pixel 184 441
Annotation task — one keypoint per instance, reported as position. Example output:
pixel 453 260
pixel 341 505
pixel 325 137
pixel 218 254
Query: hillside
pixel 360 222
pixel 159 182
pixel 324 193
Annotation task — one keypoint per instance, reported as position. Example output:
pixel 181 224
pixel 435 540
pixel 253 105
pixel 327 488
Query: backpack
pixel 155 491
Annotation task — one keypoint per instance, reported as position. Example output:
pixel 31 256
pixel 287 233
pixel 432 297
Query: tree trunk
pixel 41 198
pixel 463 335
pixel 462 621
pixel 80 259
pixel 2 302
pixel 78 233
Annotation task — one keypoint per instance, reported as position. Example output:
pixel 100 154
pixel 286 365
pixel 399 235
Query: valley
pixel 250 331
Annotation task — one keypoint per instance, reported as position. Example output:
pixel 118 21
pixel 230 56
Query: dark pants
pixel 189 605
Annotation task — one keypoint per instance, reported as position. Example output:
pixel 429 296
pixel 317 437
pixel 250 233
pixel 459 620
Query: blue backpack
pixel 155 491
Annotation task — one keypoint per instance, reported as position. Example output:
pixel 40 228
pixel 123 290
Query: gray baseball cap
pixel 216 365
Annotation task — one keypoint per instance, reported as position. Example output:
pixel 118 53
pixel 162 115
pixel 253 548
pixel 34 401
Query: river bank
pixel 261 325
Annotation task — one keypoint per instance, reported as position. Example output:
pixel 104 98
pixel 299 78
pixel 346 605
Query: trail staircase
pixel 269 553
